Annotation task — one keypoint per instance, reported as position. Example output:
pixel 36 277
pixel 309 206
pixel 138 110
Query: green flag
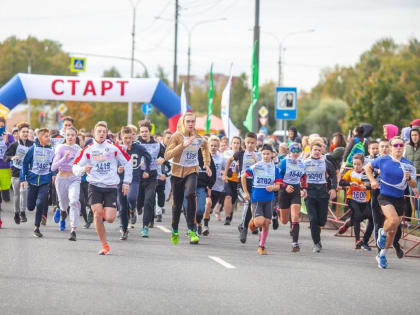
pixel 254 97
pixel 210 100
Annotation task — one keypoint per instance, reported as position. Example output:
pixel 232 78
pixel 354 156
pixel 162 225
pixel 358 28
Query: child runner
pixel 265 180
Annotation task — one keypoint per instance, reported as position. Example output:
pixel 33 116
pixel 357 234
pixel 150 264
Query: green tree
pixel 42 57
pixel 111 73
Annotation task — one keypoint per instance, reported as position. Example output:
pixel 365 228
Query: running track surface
pixel 219 276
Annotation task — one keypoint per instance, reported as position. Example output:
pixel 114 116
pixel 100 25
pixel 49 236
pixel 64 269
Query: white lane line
pixel 222 262
pixel 164 229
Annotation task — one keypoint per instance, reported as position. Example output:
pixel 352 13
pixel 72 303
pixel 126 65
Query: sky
pixel 342 31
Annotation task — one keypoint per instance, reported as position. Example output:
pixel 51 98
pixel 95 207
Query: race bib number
pixel 103 168
pixel 359 196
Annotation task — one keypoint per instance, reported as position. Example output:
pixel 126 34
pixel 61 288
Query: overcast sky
pixel 343 30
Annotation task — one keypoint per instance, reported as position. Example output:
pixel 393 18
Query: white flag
pixel 230 129
pixel 183 100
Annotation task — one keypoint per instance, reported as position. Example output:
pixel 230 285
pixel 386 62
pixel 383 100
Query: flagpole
pixel 257 41
pixel 230 79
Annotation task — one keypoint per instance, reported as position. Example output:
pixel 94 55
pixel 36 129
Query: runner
pixel 245 160
pixel 147 189
pixel 100 161
pixel 36 173
pixel 292 190
pixel 128 202
pixel 231 179
pixel 265 180
pixel 396 172
pixel 322 185
pixel 183 151
pixel 216 194
pixel 358 199
pixel 15 153
pixel 67 185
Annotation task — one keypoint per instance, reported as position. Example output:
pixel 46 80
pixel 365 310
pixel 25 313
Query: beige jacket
pixel 174 151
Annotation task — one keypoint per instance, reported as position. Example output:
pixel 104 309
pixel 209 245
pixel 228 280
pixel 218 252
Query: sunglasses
pixel 295 150
pixel 398 145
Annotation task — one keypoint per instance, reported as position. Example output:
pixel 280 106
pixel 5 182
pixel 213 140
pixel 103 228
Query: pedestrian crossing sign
pixel 77 64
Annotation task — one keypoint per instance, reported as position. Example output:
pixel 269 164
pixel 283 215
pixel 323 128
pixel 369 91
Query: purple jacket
pixel 3 148
pixel 62 163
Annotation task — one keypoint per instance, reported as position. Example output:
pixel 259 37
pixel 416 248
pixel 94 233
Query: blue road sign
pixel 286 103
pixel 147 108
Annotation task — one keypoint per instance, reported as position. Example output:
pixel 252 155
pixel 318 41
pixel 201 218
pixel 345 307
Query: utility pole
pixel 256 39
pixel 133 34
pixel 176 48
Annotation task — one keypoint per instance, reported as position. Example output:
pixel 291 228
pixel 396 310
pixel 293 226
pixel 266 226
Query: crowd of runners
pixel 100 176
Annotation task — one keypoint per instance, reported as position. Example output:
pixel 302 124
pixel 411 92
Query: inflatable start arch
pixel 72 88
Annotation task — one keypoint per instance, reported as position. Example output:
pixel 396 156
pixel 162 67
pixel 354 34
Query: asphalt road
pixel 151 276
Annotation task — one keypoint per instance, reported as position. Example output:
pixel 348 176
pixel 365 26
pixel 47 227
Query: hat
pixel 415 122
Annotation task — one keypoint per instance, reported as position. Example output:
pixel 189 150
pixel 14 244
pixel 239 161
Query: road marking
pixel 164 229
pixel 222 262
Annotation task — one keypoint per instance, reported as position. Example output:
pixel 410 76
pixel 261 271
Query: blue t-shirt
pixel 263 175
pixel 392 182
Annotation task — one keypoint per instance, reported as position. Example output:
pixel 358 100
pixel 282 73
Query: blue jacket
pixel 26 174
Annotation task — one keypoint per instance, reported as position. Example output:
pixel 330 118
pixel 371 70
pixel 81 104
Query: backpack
pixel 359 147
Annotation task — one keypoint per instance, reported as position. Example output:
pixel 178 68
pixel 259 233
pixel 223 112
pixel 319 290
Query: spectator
pixel 412 153
pixel 390 131
pixel 353 147
pixel 293 136
pixel 337 141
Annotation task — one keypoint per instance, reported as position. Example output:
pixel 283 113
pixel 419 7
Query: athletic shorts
pixel 5 178
pixel 286 199
pixel 105 196
pixel 217 197
pixel 398 203
pixel 263 209
pixel 231 189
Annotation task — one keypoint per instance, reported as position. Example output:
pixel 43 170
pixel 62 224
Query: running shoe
pixel 145 231
pixel 262 250
pixel 105 250
pixel 152 225
pixel 252 226
pixel 194 239
pixel 175 238
pixel 343 229
pixel 87 225
pixel 62 225
pixel 159 218
pixel 255 232
pixel 72 236
pixel 398 251
pixel 316 248
pixel 295 247
pixel 199 229
pixel 240 228
pixel 1 223
pixel 275 223
pixel 242 235
pixel 366 247
pixel 382 263
pixel 37 233
pixel 23 217
pixel 17 218
pixel 57 215
pixel 320 244
pixel 206 231
pixel 381 239
pixel 140 211
pixel 133 216
pixel 124 235
pixel 227 221
pixel 359 244
pixel 163 210
pixel 44 220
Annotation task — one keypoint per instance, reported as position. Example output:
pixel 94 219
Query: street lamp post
pixel 280 43
pixel 28 58
pixel 133 34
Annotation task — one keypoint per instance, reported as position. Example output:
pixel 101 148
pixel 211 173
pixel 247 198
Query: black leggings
pixel 360 212
pixel 83 198
pixel 317 211
pixel 181 187
pixel 160 192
